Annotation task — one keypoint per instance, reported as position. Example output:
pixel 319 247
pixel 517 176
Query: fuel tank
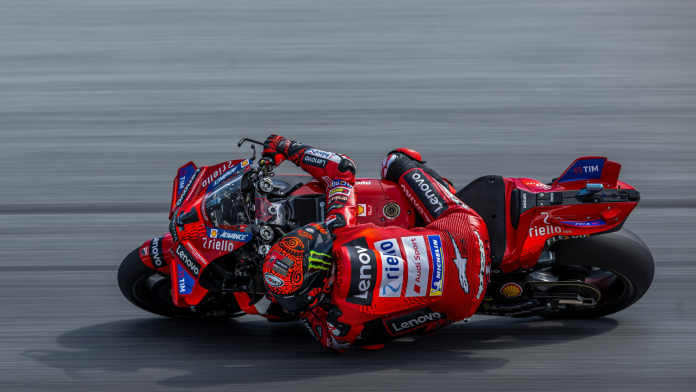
pixel 380 202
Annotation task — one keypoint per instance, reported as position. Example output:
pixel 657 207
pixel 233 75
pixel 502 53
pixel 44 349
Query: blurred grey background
pixel 102 100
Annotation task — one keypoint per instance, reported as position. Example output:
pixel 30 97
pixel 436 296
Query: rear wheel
pixel 619 264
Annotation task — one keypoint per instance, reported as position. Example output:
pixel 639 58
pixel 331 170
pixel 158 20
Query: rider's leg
pixel 406 160
pixel 429 193
pixel 461 229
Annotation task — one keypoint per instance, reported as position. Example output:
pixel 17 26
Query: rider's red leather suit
pixel 391 282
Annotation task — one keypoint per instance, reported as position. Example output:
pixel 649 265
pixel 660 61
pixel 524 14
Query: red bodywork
pixel 537 225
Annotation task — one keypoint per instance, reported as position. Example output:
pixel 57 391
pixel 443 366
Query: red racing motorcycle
pixel 558 250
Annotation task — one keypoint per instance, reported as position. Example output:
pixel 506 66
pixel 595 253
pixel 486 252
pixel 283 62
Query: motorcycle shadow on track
pixel 233 352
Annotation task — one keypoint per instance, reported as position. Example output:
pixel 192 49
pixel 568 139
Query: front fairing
pixel 198 232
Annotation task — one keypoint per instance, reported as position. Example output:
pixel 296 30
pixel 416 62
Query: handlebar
pixel 266 164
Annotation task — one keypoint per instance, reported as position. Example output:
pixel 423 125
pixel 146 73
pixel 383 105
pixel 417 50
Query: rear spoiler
pixel 590 169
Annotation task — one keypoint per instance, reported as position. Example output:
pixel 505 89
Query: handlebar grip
pixel 265 161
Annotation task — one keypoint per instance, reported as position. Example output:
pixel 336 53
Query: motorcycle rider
pixel 365 285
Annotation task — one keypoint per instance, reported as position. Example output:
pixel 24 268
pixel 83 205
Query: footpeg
pixel 577 302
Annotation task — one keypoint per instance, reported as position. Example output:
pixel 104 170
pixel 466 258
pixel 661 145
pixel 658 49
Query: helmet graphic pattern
pixel 285 265
pixel 298 271
pixel 321 228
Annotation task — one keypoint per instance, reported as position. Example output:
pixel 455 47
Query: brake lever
pixel 253 157
pixel 246 139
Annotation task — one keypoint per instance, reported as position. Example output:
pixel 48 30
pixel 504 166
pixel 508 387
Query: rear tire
pixel 622 253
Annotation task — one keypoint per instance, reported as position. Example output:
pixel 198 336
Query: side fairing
pixel 197 245
pixel 183 179
pixel 155 253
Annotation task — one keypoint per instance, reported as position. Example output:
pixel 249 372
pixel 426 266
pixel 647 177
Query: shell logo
pixel 511 290
pixel 213 233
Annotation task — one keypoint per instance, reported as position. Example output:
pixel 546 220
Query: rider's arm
pixel 335 171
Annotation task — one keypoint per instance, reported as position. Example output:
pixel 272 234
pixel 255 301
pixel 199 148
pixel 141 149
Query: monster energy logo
pixel 319 260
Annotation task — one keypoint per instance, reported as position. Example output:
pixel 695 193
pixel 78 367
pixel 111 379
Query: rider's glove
pixel 274 149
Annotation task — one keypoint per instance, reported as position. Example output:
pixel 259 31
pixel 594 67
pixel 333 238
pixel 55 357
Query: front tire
pixel 622 254
pixel 146 288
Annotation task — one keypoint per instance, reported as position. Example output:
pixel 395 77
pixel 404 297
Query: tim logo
pixel 586 169
pixel 185 174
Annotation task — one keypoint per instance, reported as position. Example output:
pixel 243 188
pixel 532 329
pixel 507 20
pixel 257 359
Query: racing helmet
pixel 298 270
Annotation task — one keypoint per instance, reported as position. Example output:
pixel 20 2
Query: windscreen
pixel 224 205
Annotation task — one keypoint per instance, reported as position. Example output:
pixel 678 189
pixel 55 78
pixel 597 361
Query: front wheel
pixel 146 288
pixel 151 291
pixel 619 264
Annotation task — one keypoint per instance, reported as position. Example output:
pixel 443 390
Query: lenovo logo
pixel 412 320
pixel 187 259
pixel 363 272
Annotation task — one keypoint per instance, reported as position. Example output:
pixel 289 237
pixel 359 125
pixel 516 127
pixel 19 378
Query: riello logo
pixel 546 230
pixel 212 176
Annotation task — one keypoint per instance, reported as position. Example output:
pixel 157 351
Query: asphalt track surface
pixel 101 102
